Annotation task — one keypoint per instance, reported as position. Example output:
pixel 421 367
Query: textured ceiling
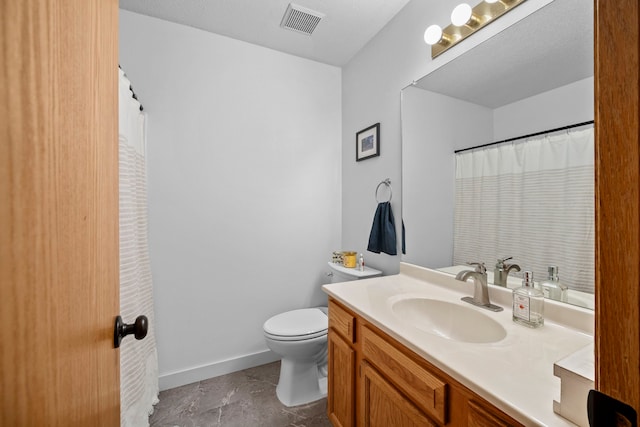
pixel 548 49
pixel 346 28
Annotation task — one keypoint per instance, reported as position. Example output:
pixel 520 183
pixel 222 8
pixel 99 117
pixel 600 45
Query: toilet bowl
pixel 299 337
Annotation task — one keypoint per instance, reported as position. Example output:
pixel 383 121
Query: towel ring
pixel 386 182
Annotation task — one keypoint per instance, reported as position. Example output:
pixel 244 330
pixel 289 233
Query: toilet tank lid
pixel 294 323
pixel 355 272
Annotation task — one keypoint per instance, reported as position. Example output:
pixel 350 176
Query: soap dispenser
pixel 552 288
pixel 528 303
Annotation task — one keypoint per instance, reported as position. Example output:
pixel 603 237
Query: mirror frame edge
pixel 617 263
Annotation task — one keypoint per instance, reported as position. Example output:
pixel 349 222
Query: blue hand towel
pixel 383 231
pixel 404 250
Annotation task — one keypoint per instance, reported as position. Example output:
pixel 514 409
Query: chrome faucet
pixel 502 270
pixel 481 289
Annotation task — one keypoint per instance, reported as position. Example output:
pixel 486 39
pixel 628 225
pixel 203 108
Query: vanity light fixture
pixel 466 20
pixel 504 2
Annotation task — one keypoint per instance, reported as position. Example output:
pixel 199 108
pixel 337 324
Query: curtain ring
pixel 386 182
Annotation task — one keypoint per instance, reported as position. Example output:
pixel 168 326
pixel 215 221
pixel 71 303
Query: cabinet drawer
pixel 341 321
pixel 425 390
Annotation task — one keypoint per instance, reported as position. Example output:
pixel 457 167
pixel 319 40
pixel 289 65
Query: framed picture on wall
pixel 368 142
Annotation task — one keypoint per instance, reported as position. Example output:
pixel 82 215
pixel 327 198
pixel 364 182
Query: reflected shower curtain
pixel 533 200
pixel 138 359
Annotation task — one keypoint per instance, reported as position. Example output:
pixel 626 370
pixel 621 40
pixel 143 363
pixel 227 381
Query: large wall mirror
pixel 532 77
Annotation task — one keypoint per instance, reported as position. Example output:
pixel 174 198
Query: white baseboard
pixel 199 373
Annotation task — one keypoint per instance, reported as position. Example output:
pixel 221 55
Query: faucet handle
pixel 480 268
pixel 502 260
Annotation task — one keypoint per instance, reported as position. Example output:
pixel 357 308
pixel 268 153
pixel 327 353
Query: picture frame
pixel 368 142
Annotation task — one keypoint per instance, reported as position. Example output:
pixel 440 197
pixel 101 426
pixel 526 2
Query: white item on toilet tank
pixel 340 273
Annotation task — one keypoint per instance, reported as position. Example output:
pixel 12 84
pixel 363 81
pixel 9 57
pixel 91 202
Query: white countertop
pixel 514 374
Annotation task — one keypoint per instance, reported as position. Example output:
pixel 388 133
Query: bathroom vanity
pixel 397 358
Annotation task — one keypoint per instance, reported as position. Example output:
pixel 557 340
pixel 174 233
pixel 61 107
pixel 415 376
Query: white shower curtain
pixel 533 200
pixel 138 359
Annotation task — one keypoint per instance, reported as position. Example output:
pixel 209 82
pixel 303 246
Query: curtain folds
pixel 533 200
pixel 138 359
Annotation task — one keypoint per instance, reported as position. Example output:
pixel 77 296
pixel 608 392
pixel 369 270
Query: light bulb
pixel 433 34
pixel 491 1
pixel 461 14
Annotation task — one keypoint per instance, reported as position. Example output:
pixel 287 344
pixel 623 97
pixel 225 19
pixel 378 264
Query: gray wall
pixel 244 157
pixel 433 126
pixel 371 84
pixel 563 106
pixel 252 174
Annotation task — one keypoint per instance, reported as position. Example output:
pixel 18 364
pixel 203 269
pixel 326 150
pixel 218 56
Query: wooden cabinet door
pixel 384 406
pixel 58 213
pixel 341 381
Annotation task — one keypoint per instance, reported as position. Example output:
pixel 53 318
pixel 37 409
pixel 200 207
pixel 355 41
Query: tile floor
pixel 241 399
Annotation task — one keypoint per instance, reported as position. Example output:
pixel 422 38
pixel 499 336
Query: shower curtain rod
pixel 133 94
pixel 590 122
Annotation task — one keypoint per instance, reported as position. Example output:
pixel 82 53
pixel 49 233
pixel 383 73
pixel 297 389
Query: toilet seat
pixel 297 325
pixel 295 338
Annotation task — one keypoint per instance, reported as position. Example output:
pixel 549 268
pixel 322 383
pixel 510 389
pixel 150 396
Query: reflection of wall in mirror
pixel 428 170
pixel 433 126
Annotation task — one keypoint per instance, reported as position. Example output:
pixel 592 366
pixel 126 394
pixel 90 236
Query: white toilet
pixel 300 338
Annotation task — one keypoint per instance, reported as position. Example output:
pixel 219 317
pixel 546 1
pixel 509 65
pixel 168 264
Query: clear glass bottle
pixel 528 303
pixel 552 288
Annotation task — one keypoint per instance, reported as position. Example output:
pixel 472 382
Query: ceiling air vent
pixel 300 19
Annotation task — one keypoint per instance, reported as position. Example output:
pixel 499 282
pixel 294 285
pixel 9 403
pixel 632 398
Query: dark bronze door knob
pixel 138 329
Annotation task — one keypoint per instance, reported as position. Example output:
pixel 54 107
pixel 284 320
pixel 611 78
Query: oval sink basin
pixel 451 321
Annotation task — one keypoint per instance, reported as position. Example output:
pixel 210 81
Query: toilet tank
pixel 338 273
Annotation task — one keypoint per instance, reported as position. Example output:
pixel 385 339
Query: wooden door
pixel 617 100
pixel 58 213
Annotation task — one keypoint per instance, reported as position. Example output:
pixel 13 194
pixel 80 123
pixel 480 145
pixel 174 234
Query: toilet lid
pixel 297 322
